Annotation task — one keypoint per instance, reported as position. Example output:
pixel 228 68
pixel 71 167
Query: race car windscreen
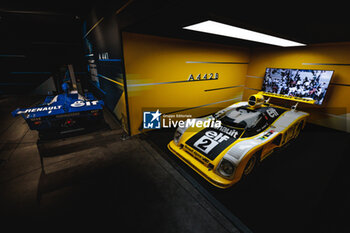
pixel 306 84
pixel 244 119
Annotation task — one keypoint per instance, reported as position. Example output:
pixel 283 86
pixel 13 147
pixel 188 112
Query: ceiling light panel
pixel 221 29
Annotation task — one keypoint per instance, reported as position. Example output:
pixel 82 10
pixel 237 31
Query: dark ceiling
pixel 55 28
pixel 42 37
pixel 60 22
pixel 303 23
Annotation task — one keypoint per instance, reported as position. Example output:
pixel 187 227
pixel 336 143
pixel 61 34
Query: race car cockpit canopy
pixel 253 121
pixel 241 118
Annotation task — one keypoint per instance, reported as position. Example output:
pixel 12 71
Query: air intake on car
pixel 256 100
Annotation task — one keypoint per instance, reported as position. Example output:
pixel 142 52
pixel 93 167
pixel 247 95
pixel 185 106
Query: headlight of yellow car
pixel 179 132
pixel 226 169
pixel 177 136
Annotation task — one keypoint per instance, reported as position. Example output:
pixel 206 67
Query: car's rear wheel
pixel 298 130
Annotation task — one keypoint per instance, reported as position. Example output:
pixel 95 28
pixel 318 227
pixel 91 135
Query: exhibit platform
pixel 301 188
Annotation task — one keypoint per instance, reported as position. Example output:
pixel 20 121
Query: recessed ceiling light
pixel 216 28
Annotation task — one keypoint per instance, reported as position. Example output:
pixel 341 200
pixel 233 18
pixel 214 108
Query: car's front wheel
pixel 249 167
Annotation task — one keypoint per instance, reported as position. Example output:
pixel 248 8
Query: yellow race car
pixel 249 132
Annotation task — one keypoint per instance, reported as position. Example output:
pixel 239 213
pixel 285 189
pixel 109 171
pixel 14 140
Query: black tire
pixel 45 135
pixel 249 167
pixel 298 130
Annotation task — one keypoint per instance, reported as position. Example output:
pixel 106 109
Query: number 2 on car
pixel 208 141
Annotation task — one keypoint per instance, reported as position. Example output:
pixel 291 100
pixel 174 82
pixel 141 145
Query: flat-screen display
pixel 305 84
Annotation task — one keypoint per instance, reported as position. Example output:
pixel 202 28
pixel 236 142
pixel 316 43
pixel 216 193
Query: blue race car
pixel 63 113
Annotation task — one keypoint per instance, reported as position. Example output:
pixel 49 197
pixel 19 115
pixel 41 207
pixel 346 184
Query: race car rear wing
pixel 286 97
pixel 42 110
pixel 59 108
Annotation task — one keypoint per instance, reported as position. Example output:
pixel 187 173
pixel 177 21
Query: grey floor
pixel 95 179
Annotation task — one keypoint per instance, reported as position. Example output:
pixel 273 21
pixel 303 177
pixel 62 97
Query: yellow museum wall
pixel 154 65
pixel 334 112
